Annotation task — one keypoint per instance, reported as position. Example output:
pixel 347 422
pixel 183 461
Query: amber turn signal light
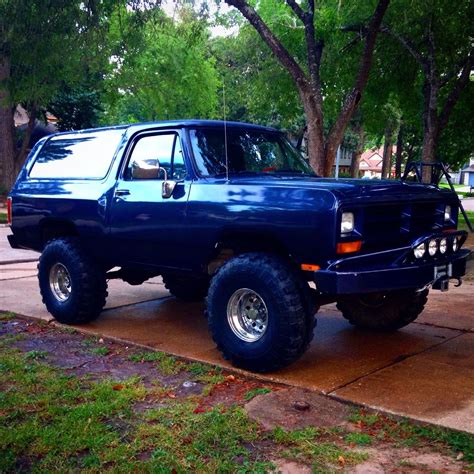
pixel 349 247
pixel 307 267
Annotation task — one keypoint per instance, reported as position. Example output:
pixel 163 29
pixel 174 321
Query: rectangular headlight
pixel 447 213
pixel 347 222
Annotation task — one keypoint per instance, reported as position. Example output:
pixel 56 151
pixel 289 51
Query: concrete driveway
pixel 425 371
pixel 468 204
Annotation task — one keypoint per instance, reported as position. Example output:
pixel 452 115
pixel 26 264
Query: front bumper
pixel 391 270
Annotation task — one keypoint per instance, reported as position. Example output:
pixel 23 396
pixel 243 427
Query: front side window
pixel 248 151
pixel 77 155
pixel 152 152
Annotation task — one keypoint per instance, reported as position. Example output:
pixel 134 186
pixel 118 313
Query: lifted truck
pixel 235 214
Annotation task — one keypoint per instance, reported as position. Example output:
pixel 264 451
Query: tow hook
pixel 441 284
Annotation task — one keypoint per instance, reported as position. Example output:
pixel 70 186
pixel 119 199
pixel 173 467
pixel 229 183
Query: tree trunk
pixel 25 145
pixel 387 153
pixel 399 158
pixel 355 164
pixel 428 154
pixel 430 126
pixel 7 130
pixel 321 156
pixel 314 121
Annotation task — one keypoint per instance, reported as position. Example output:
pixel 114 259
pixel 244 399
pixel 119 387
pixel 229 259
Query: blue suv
pixel 233 213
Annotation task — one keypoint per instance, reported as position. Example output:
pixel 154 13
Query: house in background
pixel 371 163
pixel 343 160
pixel 467 174
pixel 40 129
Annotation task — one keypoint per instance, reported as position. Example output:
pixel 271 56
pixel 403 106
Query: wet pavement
pixel 425 371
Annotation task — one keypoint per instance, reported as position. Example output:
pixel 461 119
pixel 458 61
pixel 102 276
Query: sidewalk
pixel 468 204
pixel 9 255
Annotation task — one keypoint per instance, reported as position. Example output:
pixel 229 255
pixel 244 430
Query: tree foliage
pixel 103 62
pixel 164 72
pixel 43 47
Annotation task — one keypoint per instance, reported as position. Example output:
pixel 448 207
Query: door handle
pixel 121 192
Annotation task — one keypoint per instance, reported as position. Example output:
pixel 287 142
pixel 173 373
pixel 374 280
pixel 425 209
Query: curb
pixel 14 262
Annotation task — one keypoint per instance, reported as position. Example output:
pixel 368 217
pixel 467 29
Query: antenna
pixel 225 136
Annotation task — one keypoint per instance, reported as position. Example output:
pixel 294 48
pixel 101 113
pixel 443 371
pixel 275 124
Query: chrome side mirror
pixel 167 188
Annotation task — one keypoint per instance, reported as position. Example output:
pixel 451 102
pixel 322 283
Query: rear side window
pixel 85 155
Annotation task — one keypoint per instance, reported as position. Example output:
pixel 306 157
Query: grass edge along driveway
pixel 80 417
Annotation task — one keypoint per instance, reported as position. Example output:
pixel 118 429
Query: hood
pixel 354 190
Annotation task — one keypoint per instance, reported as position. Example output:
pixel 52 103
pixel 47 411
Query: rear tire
pixel 186 288
pixel 383 311
pixel 257 313
pixel 72 285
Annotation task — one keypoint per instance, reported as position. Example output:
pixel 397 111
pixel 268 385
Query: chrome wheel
pixel 247 315
pixel 60 282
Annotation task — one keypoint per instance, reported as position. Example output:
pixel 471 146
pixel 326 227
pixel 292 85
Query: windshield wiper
pixel 298 172
pixel 234 173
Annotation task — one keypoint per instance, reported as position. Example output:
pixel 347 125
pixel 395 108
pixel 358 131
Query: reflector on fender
pixel 9 211
pixel 349 247
pixel 307 267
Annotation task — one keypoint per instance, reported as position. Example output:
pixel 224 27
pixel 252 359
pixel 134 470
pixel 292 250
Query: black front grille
pixel 393 224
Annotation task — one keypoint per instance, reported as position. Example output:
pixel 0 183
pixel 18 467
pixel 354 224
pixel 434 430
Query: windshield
pixel 248 151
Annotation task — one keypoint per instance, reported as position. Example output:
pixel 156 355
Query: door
pixel 145 227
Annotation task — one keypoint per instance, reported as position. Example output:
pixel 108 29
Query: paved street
pixel 425 371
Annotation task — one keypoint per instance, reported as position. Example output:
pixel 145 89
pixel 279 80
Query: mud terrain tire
pixel 288 328
pixel 72 285
pixel 383 311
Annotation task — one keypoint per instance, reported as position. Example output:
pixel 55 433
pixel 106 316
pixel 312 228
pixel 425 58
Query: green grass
pixel 256 391
pixel 361 417
pixel 52 422
pixel 3 217
pixel 310 445
pixel 198 369
pixel 458 442
pixel 100 351
pixel 462 225
pixel 55 422
pixel 361 439
pixel 406 433
pixel 36 355
pixel 6 316
pixel 456 189
pixel 168 365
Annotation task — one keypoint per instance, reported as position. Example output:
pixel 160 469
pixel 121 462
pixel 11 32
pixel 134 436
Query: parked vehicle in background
pixel 232 213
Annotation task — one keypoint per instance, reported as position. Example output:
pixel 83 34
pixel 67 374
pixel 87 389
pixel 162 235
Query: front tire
pixel 72 285
pixel 257 314
pixel 383 311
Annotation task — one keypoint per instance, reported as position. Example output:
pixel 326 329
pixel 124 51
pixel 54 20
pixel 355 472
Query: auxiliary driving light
pixel 432 247
pixel 419 250
pixel 447 213
pixel 443 245
pixel 455 244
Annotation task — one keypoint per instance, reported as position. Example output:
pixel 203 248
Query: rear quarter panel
pixel 37 203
